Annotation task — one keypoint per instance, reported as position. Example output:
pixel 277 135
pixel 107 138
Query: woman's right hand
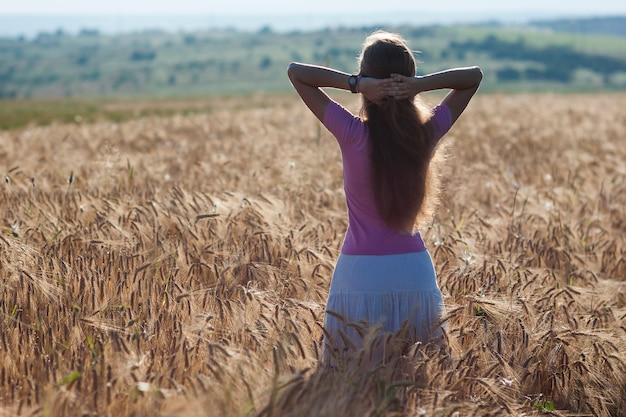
pixel 397 86
pixel 401 87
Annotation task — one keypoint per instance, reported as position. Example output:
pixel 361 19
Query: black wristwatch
pixel 353 81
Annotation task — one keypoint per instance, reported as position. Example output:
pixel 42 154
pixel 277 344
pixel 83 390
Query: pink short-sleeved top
pixel 367 233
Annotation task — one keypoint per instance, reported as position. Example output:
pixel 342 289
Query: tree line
pixel 555 63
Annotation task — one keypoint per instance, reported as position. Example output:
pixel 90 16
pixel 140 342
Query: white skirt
pixel 389 292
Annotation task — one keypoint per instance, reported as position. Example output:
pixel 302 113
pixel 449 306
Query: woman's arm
pixel 308 80
pixel 463 82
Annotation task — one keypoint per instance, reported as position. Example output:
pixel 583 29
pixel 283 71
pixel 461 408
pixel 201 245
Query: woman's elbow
pixel 292 69
pixel 478 74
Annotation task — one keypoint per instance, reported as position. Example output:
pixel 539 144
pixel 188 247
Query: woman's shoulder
pixel 440 121
pixel 335 110
pixel 343 124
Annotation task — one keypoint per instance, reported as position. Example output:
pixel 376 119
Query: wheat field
pixel 179 266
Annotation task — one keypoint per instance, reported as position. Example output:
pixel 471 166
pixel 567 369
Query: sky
pixel 31 17
pixel 256 7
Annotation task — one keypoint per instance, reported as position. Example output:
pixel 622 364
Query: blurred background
pixel 188 49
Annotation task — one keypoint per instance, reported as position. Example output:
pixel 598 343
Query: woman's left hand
pixel 374 89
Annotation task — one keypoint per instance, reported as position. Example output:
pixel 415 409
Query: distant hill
pixel 154 63
pixel 612 26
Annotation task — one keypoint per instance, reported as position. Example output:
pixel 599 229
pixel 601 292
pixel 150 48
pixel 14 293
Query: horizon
pixel 29 25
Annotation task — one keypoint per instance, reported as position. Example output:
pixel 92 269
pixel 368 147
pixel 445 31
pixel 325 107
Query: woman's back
pixel 368 233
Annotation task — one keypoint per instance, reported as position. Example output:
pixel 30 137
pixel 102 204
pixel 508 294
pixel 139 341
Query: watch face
pixel 352 83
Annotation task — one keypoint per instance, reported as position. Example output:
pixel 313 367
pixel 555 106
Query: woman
pixel 384 275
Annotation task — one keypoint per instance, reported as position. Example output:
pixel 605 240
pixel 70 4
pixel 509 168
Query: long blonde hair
pixel 405 181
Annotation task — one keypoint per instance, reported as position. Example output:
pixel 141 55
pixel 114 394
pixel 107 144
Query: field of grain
pixel 178 266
